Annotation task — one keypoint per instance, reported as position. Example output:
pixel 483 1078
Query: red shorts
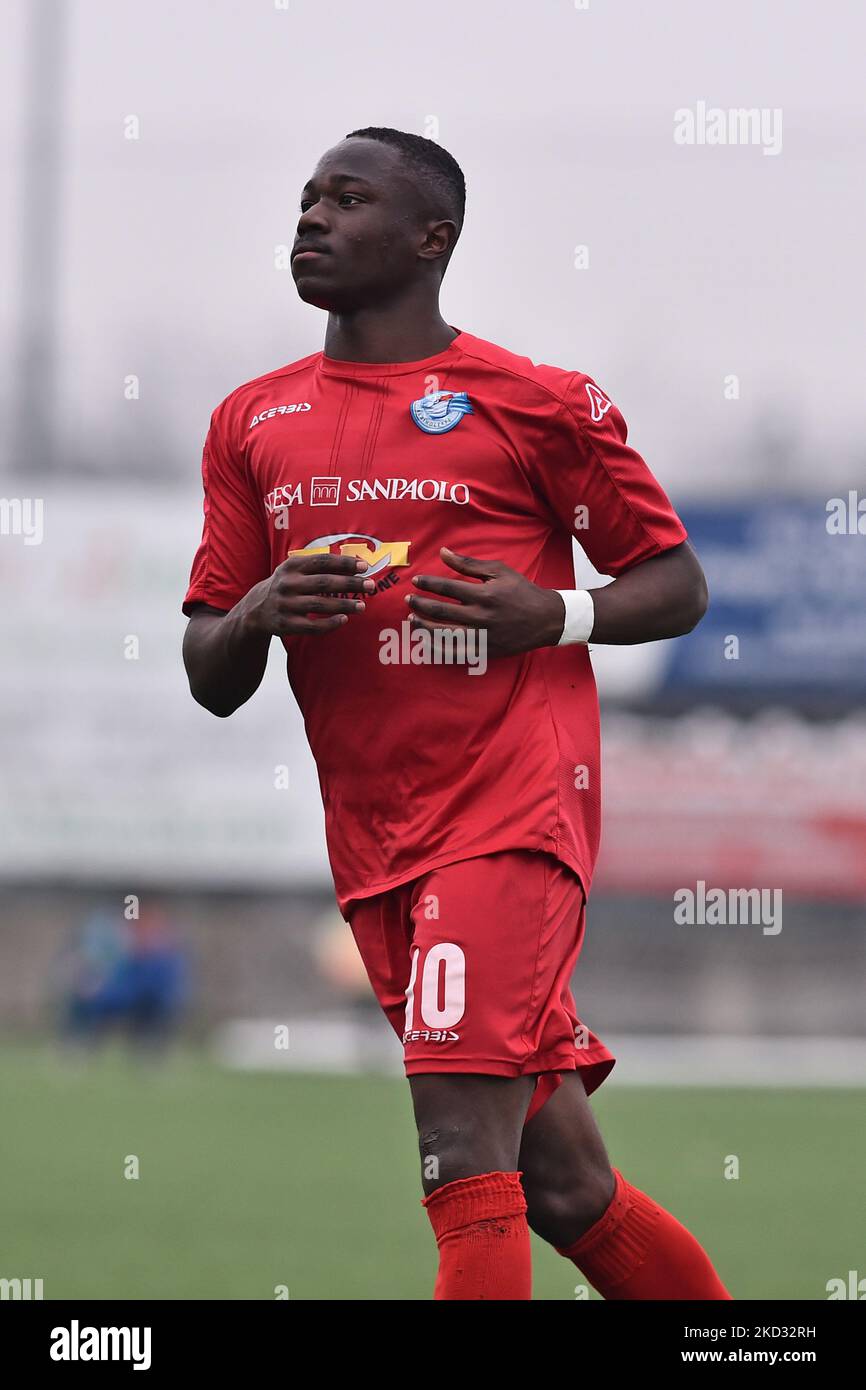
pixel 472 965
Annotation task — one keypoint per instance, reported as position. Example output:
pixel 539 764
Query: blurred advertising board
pixel 787 618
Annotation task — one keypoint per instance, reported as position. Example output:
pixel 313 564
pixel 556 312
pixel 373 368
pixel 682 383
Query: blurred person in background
pixel 126 978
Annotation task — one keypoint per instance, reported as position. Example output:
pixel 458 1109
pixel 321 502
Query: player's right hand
pixel 301 595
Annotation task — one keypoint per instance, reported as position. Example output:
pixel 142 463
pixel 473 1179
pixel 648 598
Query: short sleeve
pixel 234 553
pixel 599 488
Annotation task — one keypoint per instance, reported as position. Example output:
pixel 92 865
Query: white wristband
pixel 579 616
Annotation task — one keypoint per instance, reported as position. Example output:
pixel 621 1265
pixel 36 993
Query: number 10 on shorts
pixel 442 996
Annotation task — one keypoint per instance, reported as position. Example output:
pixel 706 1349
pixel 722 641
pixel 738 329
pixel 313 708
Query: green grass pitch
pixel 248 1182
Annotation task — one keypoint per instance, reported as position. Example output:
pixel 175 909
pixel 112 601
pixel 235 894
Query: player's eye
pixel 306 203
pixel 353 196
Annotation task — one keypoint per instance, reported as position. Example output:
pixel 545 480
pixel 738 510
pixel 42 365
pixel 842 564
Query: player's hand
pixel 516 615
pixel 309 594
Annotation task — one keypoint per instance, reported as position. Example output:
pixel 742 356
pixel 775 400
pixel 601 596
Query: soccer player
pixel 399 511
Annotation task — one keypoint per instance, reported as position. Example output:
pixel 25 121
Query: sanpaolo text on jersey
pixel 424 762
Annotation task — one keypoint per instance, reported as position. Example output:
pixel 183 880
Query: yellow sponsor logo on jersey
pixel 378 554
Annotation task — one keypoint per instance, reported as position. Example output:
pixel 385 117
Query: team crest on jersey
pixel 440 411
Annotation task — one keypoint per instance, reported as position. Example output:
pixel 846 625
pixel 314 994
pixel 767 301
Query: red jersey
pixel 422 765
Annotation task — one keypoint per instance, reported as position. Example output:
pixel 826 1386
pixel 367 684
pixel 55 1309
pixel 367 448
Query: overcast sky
pixel 703 260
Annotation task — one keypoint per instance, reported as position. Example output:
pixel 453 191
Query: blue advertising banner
pixel 787 616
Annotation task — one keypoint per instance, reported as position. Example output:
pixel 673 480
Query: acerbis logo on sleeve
pixel 280 410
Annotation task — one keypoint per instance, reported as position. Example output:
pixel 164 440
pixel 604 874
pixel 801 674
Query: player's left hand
pixel 516 615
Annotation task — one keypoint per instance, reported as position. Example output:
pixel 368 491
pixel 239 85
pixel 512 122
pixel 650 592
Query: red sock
pixel 637 1250
pixel 480 1228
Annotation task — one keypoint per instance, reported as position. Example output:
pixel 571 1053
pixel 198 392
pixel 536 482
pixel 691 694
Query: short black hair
pixel 439 171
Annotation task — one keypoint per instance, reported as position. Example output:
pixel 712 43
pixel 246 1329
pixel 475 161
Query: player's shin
pixel 637 1250
pixel 480 1228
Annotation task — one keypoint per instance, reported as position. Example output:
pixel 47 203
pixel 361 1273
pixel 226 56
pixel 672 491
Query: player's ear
pixel 438 241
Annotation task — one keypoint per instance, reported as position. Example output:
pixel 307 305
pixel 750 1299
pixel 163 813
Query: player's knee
pixel 450 1151
pixel 562 1211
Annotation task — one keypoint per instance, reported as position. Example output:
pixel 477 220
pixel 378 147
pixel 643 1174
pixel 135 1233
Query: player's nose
pixel 312 220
